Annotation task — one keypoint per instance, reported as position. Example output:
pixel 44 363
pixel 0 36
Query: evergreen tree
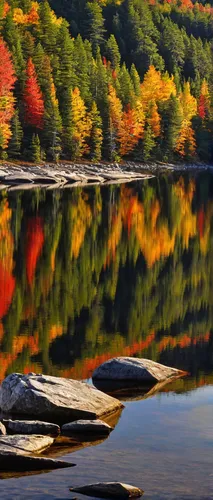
pixel 14 146
pixel 35 149
pixel 148 143
pixel 96 136
pixel 95 25
pixel 112 52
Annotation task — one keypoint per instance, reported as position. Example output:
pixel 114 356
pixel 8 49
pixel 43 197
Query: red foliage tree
pixel 202 107
pixel 33 99
pixel 35 241
pixel 7 73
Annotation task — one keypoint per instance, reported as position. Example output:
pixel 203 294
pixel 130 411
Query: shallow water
pixel 87 274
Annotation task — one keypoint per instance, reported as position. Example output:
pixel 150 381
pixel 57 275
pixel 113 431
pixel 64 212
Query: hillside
pixel 115 79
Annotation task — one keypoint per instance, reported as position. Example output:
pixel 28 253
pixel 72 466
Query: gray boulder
pixel 25 444
pixel 109 490
pixel 95 427
pixel 54 398
pixel 135 369
pixel 2 429
pixel 31 427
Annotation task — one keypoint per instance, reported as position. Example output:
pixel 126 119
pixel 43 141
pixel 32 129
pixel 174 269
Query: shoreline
pixel 24 175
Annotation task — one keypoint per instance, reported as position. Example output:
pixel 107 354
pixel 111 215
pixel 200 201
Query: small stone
pixel 109 490
pixel 10 461
pixel 86 427
pixel 31 427
pixel 3 431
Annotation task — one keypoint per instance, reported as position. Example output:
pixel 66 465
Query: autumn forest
pixel 106 79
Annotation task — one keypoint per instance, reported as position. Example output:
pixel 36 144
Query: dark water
pixel 88 274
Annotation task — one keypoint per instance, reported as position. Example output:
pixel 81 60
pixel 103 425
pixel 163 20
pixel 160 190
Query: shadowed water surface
pixel 88 274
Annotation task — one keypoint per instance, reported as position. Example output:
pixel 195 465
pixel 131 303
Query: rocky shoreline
pixel 15 176
pixel 51 176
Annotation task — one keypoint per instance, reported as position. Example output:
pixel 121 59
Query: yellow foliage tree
pixel 81 124
pixel 186 143
pixel 153 119
pixel 156 87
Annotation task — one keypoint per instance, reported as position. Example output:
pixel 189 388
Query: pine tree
pixel 81 69
pixel 95 25
pixel 126 93
pixel 112 52
pixel 135 80
pixel 175 118
pixel 35 149
pixel 47 30
pixel 14 146
pixel 96 136
pixel 148 143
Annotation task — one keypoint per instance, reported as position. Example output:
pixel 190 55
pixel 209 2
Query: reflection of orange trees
pixel 81 218
pixel 151 230
pixel 7 281
pixel 34 245
pixel 203 226
pixel 154 240
pixel 19 343
pixel 28 342
pixel 187 227
pixel 85 367
pixel 184 340
pixel 55 331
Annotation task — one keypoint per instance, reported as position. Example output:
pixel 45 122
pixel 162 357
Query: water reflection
pixel 87 274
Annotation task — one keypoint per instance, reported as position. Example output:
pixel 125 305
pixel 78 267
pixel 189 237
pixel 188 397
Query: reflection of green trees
pixel 104 281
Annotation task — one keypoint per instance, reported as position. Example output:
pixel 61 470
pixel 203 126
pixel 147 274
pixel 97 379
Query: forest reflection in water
pixel 90 273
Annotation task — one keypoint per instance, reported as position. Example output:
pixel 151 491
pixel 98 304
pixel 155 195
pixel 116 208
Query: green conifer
pixel 35 149
pixel 14 146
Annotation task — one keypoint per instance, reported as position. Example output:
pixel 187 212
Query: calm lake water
pixel 90 273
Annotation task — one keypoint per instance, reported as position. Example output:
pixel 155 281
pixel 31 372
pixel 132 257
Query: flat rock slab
pixel 10 461
pixel 125 368
pixel 109 490
pixel 54 398
pixel 96 427
pixel 31 427
pixel 25 444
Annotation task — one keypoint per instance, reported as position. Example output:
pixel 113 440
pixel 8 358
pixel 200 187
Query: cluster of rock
pixel 66 175
pixel 69 408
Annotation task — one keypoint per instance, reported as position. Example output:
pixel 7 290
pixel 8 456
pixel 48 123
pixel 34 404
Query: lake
pixel 87 274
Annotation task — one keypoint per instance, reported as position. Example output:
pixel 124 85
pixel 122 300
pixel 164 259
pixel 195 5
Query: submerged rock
pixel 31 427
pixel 97 427
pixel 142 370
pixel 2 429
pixel 109 490
pixel 54 398
pixel 10 461
pixel 20 443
